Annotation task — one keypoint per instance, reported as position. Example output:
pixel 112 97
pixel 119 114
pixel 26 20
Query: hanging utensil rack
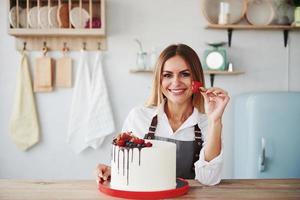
pixel 58 37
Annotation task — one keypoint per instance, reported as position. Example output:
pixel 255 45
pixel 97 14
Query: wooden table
pixel 87 190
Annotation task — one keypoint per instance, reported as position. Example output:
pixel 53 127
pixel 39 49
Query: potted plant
pixel 284 11
pixel 297 12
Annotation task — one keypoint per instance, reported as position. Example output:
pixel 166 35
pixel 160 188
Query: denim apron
pixel 187 152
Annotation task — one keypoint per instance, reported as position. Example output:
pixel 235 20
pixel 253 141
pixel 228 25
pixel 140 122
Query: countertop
pixel 87 189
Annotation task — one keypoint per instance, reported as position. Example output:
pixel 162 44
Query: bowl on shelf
pixel 211 8
pixel 260 12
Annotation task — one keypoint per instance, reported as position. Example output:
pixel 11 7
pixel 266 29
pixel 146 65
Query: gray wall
pixel 157 23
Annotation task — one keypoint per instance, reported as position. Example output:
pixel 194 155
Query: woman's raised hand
pixel 215 101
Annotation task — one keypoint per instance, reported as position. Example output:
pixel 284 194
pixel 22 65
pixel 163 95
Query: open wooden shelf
pixel 211 73
pixel 33 39
pixel 231 27
pixel 223 72
pixel 56 32
pixel 141 71
pixel 253 27
pixel 237 72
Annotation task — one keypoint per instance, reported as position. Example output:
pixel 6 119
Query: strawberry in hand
pixel 196 85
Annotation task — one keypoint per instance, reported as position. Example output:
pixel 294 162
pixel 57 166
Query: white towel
pixel 78 125
pixel 24 125
pixel 100 117
pixel 91 117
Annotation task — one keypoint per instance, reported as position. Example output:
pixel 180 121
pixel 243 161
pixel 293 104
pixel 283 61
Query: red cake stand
pixel 182 188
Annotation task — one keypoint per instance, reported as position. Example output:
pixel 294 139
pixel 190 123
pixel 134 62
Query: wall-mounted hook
pixel 45 49
pixel 24 46
pixel 65 48
pixel 84 45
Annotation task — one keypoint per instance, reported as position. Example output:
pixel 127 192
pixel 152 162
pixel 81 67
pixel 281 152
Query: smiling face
pixel 176 80
pixel 173 63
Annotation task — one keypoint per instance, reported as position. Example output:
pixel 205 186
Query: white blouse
pixel 139 120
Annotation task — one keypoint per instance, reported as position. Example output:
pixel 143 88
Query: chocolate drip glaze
pixel 118 161
pixel 127 166
pixel 127 161
pixel 140 156
pixel 123 162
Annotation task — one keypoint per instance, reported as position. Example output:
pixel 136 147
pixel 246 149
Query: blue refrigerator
pixel 267 135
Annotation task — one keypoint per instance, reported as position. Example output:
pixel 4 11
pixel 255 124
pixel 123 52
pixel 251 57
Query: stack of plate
pixel 13 17
pixel 49 17
pixel 211 8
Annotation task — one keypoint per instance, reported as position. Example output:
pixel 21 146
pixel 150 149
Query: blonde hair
pixel 192 59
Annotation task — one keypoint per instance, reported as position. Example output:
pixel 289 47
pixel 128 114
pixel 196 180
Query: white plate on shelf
pixel 260 12
pixel 33 17
pixel 13 16
pixel 43 17
pixel 52 17
pixel 23 18
pixel 211 9
pixel 75 17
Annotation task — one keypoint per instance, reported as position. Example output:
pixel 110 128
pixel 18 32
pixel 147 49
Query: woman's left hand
pixel 215 101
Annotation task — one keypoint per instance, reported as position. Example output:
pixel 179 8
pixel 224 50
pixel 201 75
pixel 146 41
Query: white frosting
pixel 155 172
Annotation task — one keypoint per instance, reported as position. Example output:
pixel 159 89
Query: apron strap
pixel 197 144
pixel 152 128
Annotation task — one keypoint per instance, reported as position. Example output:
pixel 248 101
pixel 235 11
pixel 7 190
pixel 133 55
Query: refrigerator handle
pixel 262 157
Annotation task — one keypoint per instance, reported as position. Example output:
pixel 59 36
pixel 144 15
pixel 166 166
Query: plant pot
pixel 297 16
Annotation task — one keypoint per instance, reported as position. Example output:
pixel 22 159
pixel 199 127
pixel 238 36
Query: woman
pixel 173 113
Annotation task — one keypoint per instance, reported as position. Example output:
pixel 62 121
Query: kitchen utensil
pixel 43 72
pixel 63 71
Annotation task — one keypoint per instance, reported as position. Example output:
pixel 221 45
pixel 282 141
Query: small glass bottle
pixel 141 60
pixel 152 59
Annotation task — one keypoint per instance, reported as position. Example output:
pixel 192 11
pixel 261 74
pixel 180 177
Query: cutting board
pixel 63 72
pixel 43 74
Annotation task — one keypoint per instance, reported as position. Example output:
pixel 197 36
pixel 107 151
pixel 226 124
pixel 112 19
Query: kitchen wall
pixel 157 23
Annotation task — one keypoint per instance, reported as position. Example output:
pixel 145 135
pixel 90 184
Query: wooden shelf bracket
pixel 285 36
pixel 212 79
pixel 229 31
pixel 285 28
